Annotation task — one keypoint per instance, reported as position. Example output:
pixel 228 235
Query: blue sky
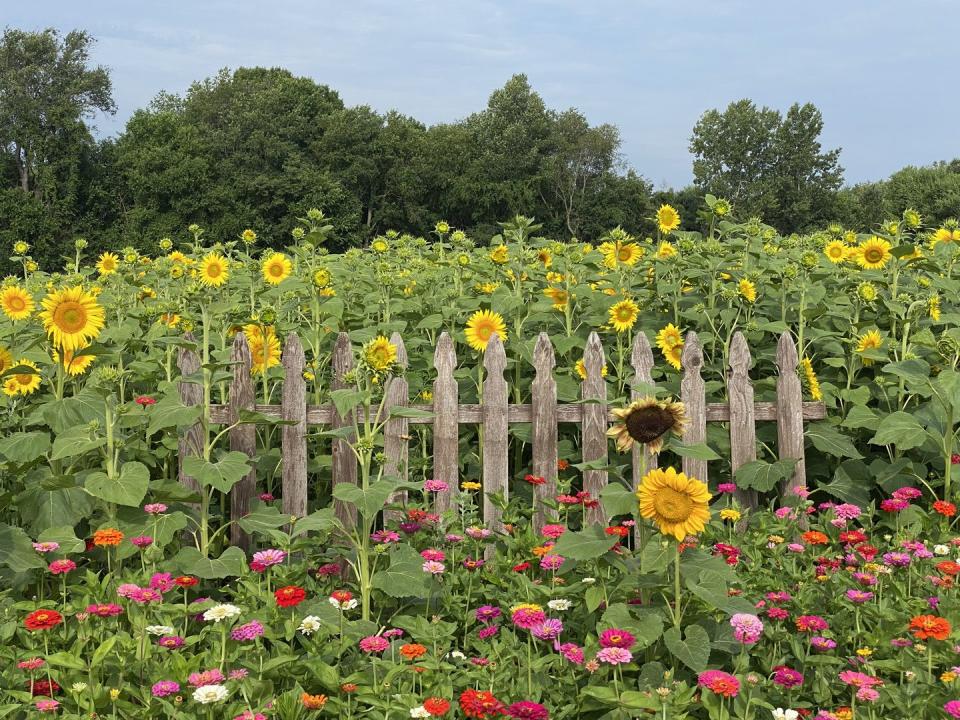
pixel 881 71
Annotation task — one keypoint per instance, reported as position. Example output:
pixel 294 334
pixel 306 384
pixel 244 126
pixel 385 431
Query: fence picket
pixel 495 438
pixel 544 402
pixel 694 400
pixel 593 430
pixel 343 467
pixel 191 394
pixel 294 436
pixel 395 435
pixel 789 412
pixel 243 438
pixel 743 429
pixel 641 358
pixel 446 425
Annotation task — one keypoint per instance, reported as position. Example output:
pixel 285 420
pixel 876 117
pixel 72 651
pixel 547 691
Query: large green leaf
pixel 372 500
pixel 76 441
pixel 169 413
pixel 900 429
pixel 16 550
pixel 764 476
pixel 587 544
pixel 618 499
pixel 65 537
pixel 231 563
pixel 128 488
pixel 23 447
pixel 826 438
pixel 405 576
pixel 222 474
pixel 698 451
pixel 693 649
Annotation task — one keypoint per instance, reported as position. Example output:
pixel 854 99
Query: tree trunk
pixel 23 168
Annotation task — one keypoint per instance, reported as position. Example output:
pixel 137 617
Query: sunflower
pixel 545 256
pixel 669 337
pixel 6 360
pixel 933 305
pixel 107 264
pixel 380 353
pixel 213 270
pixel 24 382
pixel 647 421
pixel 678 505
pixel 747 290
pixel 674 357
pixel 941 235
pixel 169 319
pixel 16 302
pixel 486 288
pixel 668 219
pixel 558 296
pixel 628 253
pixel 264 347
pixel 836 251
pixel 500 254
pixel 623 315
pixel 481 326
pixel 379 245
pixel 813 383
pixel 248 236
pixel 74 364
pixel 871 340
pixel 581 369
pixel 874 253
pixel 72 318
pixel 276 268
pixel 665 251
pixel 178 258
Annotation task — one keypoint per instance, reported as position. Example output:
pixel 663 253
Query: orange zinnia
pixel 313 702
pixel 924 627
pixel 412 651
pixel 111 537
pixel 813 537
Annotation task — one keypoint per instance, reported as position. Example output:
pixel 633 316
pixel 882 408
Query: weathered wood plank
pixel 593 429
pixel 294 435
pixel 544 411
pixel 694 400
pixel 243 438
pixel 191 393
pixel 743 429
pixel 396 447
pixel 495 437
pixel 641 359
pixel 789 414
pixel 446 424
pixel 344 462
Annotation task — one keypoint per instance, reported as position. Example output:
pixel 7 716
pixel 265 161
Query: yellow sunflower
pixel 665 251
pixel 74 364
pixel 178 258
pixel 813 383
pixel 623 315
pixel 6 360
pixel 264 347
pixel 169 319
pixel 214 270
pixel 17 303
pixel 72 318
pixel 668 219
pixel 380 353
pixel 379 245
pixel 558 296
pixel 933 305
pixel 670 342
pixel 941 235
pixel 24 382
pixel 647 421
pixel 481 326
pixel 836 251
pixel 276 268
pixel 628 253
pixel 486 288
pixel 581 369
pixel 545 256
pixel 678 505
pixel 107 264
pixel 871 340
pixel 500 254
pixel 874 253
pixel 747 290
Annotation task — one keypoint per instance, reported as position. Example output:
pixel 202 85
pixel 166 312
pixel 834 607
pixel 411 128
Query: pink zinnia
pixel 435 486
pixel 31 664
pixel 726 488
pixel 551 562
pixel 247 632
pixel 374 644
pixel 270 557
pixel 46 547
pixel 552 531
pixel 105 610
pixel 572 652
pixel 617 638
pixel 907 493
pixel 614 655
pixel 811 623
pixel 549 629
pixel 859 596
pixel 893 505
pixel 142 541
pixel 527 710
pixel 164 688
pixel 859 679
pixel 787 677
pixel 47 705
pixel 207 677
pixel 155 508
pixel 385 537
pixel 527 618
pixel 488 631
pixel 58 567
pixel 431 554
pixel 487 613
pixel 952 708
pixel 719 682
pixel 171 642
pixel 162 582
pixel 747 628
pixel 433 567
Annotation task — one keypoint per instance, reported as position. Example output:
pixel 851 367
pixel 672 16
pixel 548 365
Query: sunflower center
pixel 276 270
pixel 646 424
pixel 24 379
pixel 214 270
pixel 624 314
pixel 873 255
pixel 70 317
pixel 671 505
pixel 16 303
pixel 624 254
pixel 484 331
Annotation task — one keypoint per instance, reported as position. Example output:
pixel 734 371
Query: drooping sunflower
pixel 871 340
pixel 668 219
pixel 107 264
pixel 747 290
pixel 874 253
pixel 941 235
pixel 264 347
pixel 74 364
pixel 17 303
pixel 623 315
pixel 836 251
pixel 24 382
pixel 72 318
pixel 481 326
pixel 559 296
pixel 380 353
pixel 678 505
pixel 178 258
pixel 276 268
pixel 647 421
pixel 214 270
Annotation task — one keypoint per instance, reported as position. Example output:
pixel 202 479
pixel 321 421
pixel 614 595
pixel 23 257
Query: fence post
pixel 343 463
pixel 191 394
pixel 644 460
pixel 243 438
pixel 790 412
pixel 294 437
pixel 593 429
pixel 544 408
pixel 743 429
pixel 396 433
pixel 495 437
pixel 446 424
pixel 694 400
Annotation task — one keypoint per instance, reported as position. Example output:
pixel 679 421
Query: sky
pixel 881 71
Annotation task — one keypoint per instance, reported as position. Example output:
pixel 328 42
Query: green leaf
pixel 585 544
pixel 762 475
pixel 100 654
pixel 76 441
pixel 693 650
pixel 370 501
pixel 263 519
pixel 900 429
pixel 915 372
pixel 16 550
pixel 851 483
pixel 223 474
pixel 618 499
pixel 699 451
pixel 67 660
pixel 860 417
pixel 65 537
pixel 345 400
pixel 322 520
pixel 231 563
pixel 409 412
pixel 23 447
pixel 128 488
pixel 405 576
pixel 170 412
pixel 826 438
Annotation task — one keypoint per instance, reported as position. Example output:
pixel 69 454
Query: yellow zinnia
pixel 264 347
pixel 380 353
pixel 72 318
pixel 481 326
pixel 16 302
pixel 213 270
pixel 668 219
pixel 108 264
pixel 874 253
pixel 623 315
pixel 678 505
pixel 276 268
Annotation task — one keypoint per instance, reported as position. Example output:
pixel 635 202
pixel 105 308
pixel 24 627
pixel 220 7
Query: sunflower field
pixel 122 596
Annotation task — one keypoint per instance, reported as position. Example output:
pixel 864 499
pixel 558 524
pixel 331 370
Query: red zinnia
pixel 437 707
pixel 618 530
pixel 924 627
pixel 185 581
pixel 479 704
pixel 290 596
pixel 947 509
pixel 144 400
pixel 42 620
pixel 949 567
pixel 43 688
pixel 535 479
pixel 521 567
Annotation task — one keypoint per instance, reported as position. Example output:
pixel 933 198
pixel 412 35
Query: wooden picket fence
pixel 495 414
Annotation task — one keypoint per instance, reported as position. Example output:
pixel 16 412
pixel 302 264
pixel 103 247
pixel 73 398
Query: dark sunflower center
pixel 646 424
pixel 874 254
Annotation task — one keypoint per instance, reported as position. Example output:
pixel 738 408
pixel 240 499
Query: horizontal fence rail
pixel 495 414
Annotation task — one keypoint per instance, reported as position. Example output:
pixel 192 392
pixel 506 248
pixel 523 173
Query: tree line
pixel 256 147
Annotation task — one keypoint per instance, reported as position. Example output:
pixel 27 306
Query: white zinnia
pixel 206 694
pixel 781 714
pixel 309 625
pixel 419 712
pixel 159 630
pixel 559 604
pixel 941 550
pixel 588 581
pixel 221 612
